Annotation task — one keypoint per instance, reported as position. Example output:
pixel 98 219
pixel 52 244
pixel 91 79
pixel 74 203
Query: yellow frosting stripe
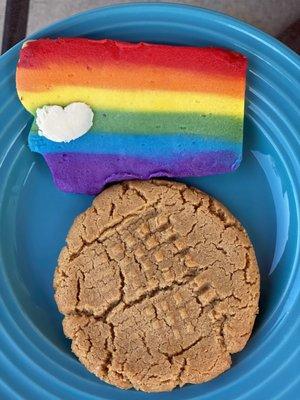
pixel 136 100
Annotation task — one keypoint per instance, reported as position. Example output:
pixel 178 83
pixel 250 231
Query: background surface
pixel 272 16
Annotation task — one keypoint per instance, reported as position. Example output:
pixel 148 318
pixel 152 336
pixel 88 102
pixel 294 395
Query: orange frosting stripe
pixel 127 77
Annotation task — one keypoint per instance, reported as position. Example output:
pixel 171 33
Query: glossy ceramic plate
pixel 35 359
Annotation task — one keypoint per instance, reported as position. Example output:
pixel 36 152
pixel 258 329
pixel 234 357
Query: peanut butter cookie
pixel 158 284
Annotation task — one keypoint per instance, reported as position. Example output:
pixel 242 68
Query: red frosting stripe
pixel 78 51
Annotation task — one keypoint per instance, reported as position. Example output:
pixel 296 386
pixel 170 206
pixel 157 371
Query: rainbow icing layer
pixel 158 110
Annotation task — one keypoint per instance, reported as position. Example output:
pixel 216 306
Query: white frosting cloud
pixel 63 124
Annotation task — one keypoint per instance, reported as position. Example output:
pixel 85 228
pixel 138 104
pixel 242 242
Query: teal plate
pixel 35 359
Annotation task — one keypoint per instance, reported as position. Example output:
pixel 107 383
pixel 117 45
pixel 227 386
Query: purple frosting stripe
pixel 89 173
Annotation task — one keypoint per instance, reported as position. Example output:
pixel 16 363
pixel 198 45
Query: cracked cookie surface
pixel 158 284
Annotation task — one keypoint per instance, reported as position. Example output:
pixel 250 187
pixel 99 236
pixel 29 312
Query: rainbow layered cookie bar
pixel 158 110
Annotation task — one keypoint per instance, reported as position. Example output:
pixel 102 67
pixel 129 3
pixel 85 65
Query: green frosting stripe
pixel 114 121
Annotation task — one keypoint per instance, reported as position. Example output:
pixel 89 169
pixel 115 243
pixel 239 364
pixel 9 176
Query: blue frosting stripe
pixel 150 146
